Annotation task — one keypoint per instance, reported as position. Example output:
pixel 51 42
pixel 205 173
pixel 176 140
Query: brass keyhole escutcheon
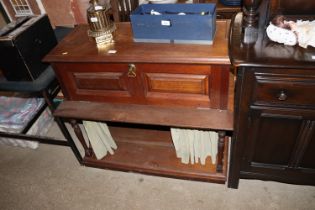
pixel 132 70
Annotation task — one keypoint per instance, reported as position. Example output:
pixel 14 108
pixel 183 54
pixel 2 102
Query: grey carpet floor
pixel 51 178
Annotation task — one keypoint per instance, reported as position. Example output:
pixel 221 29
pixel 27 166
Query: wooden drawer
pixel 283 90
pixel 154 84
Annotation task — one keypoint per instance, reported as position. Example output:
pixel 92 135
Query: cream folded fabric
pixel 100 138
pixel 193 146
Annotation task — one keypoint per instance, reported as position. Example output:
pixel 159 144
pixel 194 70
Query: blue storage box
pixel 197 26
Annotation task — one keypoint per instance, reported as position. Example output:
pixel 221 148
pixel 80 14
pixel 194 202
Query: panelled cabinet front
pixel 276 145
pixel 156 84
pixel 275 125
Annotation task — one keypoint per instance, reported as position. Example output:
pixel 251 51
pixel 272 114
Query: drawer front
pixel 283 89
pixel 98 82
pixel 185 85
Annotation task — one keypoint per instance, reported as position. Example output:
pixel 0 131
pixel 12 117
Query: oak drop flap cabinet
pixel 142 90
pixel 273 137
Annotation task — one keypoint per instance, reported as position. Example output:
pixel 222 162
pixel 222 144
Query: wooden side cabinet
pixel 142 91
pixel 274 114
pixel 275 125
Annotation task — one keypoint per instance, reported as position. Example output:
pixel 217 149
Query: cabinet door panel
pixel 272 138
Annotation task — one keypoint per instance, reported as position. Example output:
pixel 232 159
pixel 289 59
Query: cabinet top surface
pixel 265 53
pixel 79 47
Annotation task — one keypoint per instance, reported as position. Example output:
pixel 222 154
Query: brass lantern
pixel 100 25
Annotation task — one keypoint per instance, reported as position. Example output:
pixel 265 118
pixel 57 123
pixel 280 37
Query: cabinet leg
pixel 88 151
pixel 49 100
pixel 220 157
pixel 233 184
pixel 234 164
pixel 67 135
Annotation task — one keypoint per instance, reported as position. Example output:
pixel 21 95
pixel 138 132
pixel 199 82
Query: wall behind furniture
pixel 59 12
pixel 67 12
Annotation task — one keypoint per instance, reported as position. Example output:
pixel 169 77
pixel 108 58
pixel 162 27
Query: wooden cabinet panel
pixel 100 81
pixel 170 84
pixel 279 146
pixel 177 83
pixel 155 84
pixel 186 85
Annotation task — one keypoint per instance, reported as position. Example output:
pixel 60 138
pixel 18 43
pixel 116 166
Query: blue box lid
pixel 197 24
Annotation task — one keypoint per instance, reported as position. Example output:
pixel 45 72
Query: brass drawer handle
pixel 132 70
pixel 282 96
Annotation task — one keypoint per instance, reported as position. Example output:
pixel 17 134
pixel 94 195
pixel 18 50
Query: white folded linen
pixel 100 138
pixel 194 145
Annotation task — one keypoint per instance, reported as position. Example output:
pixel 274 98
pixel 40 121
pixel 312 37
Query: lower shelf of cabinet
pixel 151 151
